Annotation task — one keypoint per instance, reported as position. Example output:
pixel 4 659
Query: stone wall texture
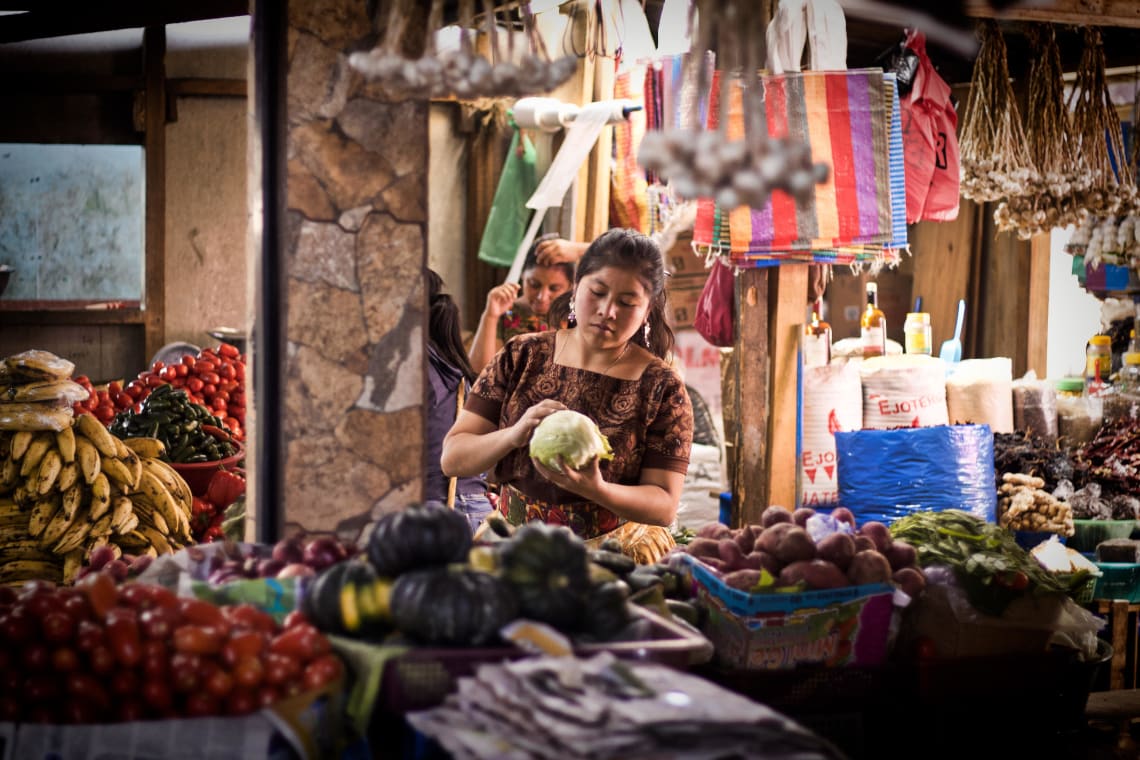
pixel 355 252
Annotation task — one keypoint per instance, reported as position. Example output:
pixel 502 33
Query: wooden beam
pixel 787 302
pixel 1037 338
pixel 1121 13
pixel 61 19
pixel 59 84
pixel 154 66
pixel 23 313
pixel 751 387
pixel 207 88
pixel 596 199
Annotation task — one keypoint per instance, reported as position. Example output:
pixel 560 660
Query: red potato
pixel 770 538
pixel 869 567
pixel 766 561
pixel 773 515
pixel 838 548
pixel 901 554
pixel 730 554
pixel 911 580
pixel 754 561
pixel 716 563
pixel 795 545
pixel 745 579
pixel 703 547
pixel 877 532
pixel 843 514
pixel 745 539
pixel 801 515
pixel 865 544
pixel 713 530
pixel 821 574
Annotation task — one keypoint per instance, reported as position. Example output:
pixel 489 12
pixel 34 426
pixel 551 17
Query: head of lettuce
pixel 570 435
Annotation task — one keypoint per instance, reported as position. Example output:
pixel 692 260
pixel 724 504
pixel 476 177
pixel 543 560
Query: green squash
pixel 452 606
pixel 607 610
pixel 348 598
pixel 417 537
pixel 547 567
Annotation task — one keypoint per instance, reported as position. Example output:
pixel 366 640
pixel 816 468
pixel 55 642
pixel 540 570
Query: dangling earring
pixel 572 318
pixel 647 333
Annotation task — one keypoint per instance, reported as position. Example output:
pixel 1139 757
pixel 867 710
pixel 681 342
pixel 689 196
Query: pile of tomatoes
pixel 214 378
pixel 98 653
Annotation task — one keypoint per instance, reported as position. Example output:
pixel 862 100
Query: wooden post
pixel 1037 325
pixel 750 438
pixel 154 144
pixel 787 303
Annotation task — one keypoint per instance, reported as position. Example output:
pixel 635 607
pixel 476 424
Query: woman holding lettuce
pixel 608 364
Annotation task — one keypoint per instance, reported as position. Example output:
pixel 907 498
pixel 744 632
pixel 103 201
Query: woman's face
pixel 611 305
pixel 541 285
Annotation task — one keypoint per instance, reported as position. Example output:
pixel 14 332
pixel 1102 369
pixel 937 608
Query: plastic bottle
pixel 1098 364
pixel 873 325
pixel 917 333
pixel 1125 403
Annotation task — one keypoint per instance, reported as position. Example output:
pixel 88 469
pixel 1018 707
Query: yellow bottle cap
pixel 1132 358
pixel 1100 340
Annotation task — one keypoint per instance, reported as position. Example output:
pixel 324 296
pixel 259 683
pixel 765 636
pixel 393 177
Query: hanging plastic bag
pixel 506 224
pixel 714 317
pixel 930 134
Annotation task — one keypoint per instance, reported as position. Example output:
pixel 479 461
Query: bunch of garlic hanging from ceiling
pixel 707 164
pixel 462 72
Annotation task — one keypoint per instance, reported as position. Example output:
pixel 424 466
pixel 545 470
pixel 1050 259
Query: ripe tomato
pixel 198 639
pixel 158 622
pixel 57 627
pixel 241 702
pixel 88 634
pixel 123 636
pixel 201 612
pixel 184 672
pixel 155 659
pixel 75 604
pixel 249 617
pixel 78 711
pixel 242 643
pixel 219 683
pixel 228 350
pixel 100 659
pixel 200 704
pixel 37 656
pixel 189 360
pixel 17 626
pixel 101 592
pixel 322 671
pixel 302 641
pixel 129 709
pixel 280 668
pixel 268 695
pixel 64 659
pixel 294 618
pixel 86 686
pixel 41 688
pixel 248 672
pixel 124 682
pixel 157 695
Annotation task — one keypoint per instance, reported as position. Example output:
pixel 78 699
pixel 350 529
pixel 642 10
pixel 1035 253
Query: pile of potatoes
pixel 782 546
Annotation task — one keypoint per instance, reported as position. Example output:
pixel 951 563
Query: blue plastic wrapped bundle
pixel 888 474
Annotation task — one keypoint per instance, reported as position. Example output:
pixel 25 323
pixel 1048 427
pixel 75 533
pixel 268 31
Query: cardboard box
pixel 682 261
pixel 776 631
pixel 682 300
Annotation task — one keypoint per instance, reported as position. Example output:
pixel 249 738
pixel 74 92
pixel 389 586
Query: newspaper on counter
pixel 603 707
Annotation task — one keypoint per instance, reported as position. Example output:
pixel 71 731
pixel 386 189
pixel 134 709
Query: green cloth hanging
pixel 506 224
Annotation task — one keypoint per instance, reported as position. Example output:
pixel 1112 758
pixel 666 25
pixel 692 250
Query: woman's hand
pixel 586 482
pixel 500 299
pixel 558 250
pixel 521 431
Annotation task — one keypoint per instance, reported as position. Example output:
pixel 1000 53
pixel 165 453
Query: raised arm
pixel 486 341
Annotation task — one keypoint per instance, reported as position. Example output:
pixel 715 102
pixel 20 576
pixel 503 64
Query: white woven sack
pixel 981 391
pixel 903 391
pixel 833 400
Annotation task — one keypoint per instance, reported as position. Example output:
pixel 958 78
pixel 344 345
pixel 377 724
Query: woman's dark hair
pixel 634 252
pixel 531 260
pixel 443 326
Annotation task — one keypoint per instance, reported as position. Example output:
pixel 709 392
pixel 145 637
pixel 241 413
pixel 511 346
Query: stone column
pixel 355 253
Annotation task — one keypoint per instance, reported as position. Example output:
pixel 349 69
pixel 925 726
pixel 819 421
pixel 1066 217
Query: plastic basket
pixel 1119 580
pixel 1087 592
pixel 1088 533
pixel 422 677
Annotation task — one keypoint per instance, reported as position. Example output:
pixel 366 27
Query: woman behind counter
pixel 608 364
pixel 508 312
pixel 449 373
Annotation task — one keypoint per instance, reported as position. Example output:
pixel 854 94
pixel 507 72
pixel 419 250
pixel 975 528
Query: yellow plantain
pixel 17 571
pixel 65 442
pixel 156 540
pixel 87 456
pixel 100 496
pixel 132 540
pixel 129 525
pixel 9 474
pixel 23 497
pixel 122 508
pixel 42 513
pixel 92 429
pixel 65 518
pixel 175 483
pixel 101 528
pixel 21 439
pixel 50 467
pixel 146 447
pixel 72 561
pixel 68 475
pixel 164 504
pixel 129 458
pixel 118 471
pixel 73 537
pixel 36 451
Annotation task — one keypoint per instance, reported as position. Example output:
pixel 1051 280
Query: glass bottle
pixel 873 324
pixel 817 339
pixel 1125 403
